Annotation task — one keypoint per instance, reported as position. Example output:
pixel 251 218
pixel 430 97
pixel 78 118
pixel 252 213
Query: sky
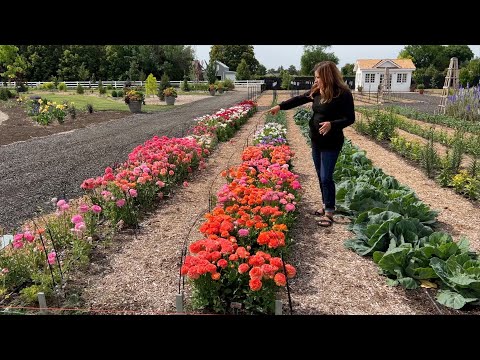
pixel 272 56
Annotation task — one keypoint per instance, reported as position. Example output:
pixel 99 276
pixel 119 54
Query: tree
pixel 211 72
pixel 261 70
pixel 151 86
pixel 232 55
pixel 313 54
pixel 347 70
pixel 462 52
pixel 243 72
pixel 286 79
pixel 8 54
pixel 292 70
pixel 425 55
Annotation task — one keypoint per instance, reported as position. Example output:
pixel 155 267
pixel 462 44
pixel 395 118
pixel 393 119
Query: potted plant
pixel 220 87
pixel 420 88
pixel 212 89
pixel 134 99
pixel 170 95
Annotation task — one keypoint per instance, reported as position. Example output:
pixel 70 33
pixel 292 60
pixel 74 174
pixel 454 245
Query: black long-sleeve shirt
pixel 339 112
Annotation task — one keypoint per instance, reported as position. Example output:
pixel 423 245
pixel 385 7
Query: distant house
pixel 223 72
pixel 369 74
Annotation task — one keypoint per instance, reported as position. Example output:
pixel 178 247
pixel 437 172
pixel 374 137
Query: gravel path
pixel 3 117
pixel 36 170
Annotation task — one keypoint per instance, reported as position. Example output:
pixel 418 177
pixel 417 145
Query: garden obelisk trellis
pixel 451 81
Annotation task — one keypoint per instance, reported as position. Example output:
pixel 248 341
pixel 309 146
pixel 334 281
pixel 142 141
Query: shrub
pixel 109 87
pixel 229 84
pixel 47 86
pixel 164 83
pixel 80 89
pixel 420 86
pixel 114 93
pixel 62 86
pixel 89 108
pixel 185 86
pixel 120 93
pixel 5 94
pixel 101 88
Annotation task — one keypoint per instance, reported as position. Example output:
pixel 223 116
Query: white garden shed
pixel 369 74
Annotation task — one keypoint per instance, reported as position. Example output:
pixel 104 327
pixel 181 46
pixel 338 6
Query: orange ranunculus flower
pixel 255 284
pixel 215 276
pixel 280 279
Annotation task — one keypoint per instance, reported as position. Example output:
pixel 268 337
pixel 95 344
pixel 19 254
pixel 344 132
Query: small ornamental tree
pixel 151 87
pixel 164 83
pixel 211 72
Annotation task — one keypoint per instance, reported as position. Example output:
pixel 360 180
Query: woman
pixel 333 110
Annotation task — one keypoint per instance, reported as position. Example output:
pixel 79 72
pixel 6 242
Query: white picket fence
pixel 120 84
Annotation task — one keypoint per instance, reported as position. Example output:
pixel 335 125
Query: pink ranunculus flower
pixel 120 203
pixel 83 208
pixel 296 185
pixel 133 192
pixel 185 184
pixel 77 218
pixel 80 227
pixel 243 232
pixel 96 209
pixel 290 207
pixel 51 257
pixel 160 184
pixel 60 203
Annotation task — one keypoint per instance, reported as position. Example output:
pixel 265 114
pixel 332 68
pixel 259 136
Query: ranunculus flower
pixel 255 284
pixel 96 209
pixel 290 207
pixel 51 257
pixel 243 232
pixel 120 203
pixel 280 279
pixel 77 218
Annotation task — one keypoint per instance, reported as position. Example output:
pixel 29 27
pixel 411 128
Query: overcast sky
pixel 272 56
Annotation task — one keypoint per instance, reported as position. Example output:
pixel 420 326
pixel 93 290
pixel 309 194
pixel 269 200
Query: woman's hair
pixel 332 81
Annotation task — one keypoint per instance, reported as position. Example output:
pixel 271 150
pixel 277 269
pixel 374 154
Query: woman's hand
pixel 274 110
pixel 325 128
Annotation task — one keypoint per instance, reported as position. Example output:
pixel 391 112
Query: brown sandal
pixel 318 213
pixel 326 221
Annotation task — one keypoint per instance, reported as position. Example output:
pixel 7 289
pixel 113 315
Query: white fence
pixel 120 84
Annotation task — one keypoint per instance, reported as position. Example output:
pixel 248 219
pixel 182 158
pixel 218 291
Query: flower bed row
pixel 241 257
pixel 43 252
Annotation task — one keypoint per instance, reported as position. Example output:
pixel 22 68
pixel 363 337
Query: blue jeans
pixel 325 161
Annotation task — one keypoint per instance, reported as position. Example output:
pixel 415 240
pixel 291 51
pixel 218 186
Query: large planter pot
pixel 170 100
pixel 220 91
pixel 135 106
pixel 212 92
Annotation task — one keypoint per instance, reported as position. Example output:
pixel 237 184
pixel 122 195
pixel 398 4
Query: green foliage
pixel 170 91
pixel 62 86
pixel 232 56
pixel 211 72
pixel 151 86
pixel 313 54
pixel 114 93
pixel 347 70
pixel 101 88
pixel 286 79
pixel 5 94
pixel 164 83
pixel 80 89
pixel 185 87
pixel 430 158
pixel 229 84
pixel 243 72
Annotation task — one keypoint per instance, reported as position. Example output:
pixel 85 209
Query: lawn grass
pixel 99 103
